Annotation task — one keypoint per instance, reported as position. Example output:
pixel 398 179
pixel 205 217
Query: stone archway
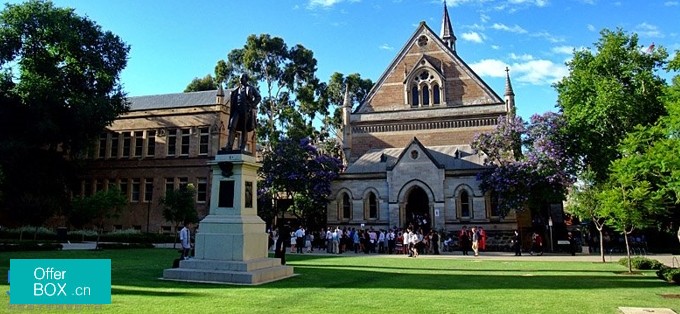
pixel 417 209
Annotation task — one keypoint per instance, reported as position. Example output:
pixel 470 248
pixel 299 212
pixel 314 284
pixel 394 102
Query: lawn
pixel 373 284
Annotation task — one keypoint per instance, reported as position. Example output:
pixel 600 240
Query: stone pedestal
pixel 231 242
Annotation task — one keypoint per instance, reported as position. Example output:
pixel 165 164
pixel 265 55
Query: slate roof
pixel 173 100
pixel 379 160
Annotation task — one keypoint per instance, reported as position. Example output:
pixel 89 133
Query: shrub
pixel 641 263
pixel 83 233
pixel 669 274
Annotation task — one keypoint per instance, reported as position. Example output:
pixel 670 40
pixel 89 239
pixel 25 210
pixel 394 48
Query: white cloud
pixel 539 72
pixel 533 72
pixel 474 37
pixel 323 3
pixel 513 29
pixel 567 50
pixel 591 27
pixel 490 68
pixel 386 47
pixel 549 37
pixel 326 4
pixel 484 18
pixel 495 47
pixel 538 3
pixel 648 30
pixel 524 57
pixel 671 3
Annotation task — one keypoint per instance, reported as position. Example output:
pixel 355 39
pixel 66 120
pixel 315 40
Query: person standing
pixel 482 239
pixel 516 244
pixel 281 243
pixel 572 243
pixel 464 241
pixel 435 242
pixel 185 239
pixel 300 240
pixel 475 241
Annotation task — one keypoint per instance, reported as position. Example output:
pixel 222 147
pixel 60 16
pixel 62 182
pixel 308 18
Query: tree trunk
pixel 630 264
pixel 601 244
pixel 174 244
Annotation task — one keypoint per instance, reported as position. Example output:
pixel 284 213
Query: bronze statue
pixel 243 112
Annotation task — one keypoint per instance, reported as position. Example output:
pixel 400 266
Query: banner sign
pixel 60 281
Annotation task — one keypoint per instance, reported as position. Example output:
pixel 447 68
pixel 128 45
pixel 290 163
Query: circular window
pixel 422 41
pixel 414 154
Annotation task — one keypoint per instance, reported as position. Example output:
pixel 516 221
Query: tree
pixel 180 206
pixel 96 209
pixel 527 163
pixel 59 89
pixel 583 202
pixel 291 89
pixel 628 200
pixel 607 93
pixel 297 170
pixel 201 84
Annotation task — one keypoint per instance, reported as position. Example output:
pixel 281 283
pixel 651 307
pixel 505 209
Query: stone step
pixel 255 277
pixel 240 266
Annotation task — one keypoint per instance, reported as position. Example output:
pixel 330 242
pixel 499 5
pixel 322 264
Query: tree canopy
pixel 200 84
pixel 607 93
pixel 59 88
pixel 298 171
pixel 528 162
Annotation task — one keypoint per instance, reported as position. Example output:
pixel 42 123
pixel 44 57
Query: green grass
pixel 374 284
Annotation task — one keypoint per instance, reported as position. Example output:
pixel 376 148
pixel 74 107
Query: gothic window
pixel 346 207
pixel 425 88
pixel 464 204
pixel 414 96
pixel 371 206
pixel 426 96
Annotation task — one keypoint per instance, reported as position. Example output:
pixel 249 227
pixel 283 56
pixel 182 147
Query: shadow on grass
pixel 157 293
pixel 485 270
pixel 141 268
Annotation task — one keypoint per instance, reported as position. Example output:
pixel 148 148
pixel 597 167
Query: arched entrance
pixel 417 209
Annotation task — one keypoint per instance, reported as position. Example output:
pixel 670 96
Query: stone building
pixel 164 141
pixel 407 146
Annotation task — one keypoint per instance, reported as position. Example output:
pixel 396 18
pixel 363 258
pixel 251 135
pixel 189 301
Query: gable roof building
pixel 407 146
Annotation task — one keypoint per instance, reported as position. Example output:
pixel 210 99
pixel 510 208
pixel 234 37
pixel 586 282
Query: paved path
pixel 668 259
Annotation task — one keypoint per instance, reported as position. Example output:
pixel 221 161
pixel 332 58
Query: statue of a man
pixel 243 112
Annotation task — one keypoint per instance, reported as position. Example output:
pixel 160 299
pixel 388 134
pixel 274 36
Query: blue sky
pixel 173 41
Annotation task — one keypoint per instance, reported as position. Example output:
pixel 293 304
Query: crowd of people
pixel 336 240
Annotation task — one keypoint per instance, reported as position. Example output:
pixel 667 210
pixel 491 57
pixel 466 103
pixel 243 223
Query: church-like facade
pixel 407 146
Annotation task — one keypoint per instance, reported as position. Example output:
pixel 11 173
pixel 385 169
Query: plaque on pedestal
pixel 231 242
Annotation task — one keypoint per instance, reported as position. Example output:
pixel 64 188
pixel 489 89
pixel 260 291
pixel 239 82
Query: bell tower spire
pixel 446 33
pixel 509 93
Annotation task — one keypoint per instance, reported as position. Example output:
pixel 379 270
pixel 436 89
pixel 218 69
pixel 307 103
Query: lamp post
pixel 550 224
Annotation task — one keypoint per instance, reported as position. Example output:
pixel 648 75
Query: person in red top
pixel 482 239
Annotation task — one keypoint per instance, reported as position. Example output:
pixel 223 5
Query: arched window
pixel 414 96
pixel 346 207
pixel 371 206
pixel 464 204
pixel 435 95
pixel 426 96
